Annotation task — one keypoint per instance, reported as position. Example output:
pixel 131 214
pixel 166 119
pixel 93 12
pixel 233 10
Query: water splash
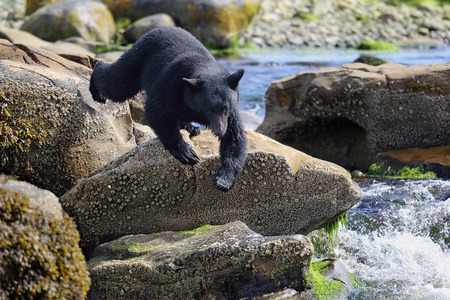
pixel 398 240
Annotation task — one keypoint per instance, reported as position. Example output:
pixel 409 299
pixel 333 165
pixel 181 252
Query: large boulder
pixel 280 191
pixel 217 23
pixel 53 133
pixel 348 114
pixel 39 253
pixel 90 20
pixel 142 26
pixel 222 262
pixel 214 22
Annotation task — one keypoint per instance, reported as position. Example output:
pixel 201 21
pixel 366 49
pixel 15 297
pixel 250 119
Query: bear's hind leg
pixel 193 130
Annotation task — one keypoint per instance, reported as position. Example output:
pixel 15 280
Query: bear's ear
pixel 194 83
pixel 233 79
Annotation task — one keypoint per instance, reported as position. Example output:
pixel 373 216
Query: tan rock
pixel 54 133
pixel 26 38
pixel 88 19
pixel 348 114
pixel 280 191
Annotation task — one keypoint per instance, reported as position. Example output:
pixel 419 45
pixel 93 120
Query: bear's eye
pixel 225 110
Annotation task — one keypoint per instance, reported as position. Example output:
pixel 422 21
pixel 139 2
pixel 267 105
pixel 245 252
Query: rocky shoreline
pixel 322 24
pixel 345 24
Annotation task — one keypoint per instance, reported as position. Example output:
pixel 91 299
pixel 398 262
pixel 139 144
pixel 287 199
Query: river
pixel 397 239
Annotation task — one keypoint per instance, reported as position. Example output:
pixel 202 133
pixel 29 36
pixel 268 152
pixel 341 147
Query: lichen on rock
pixel 39 253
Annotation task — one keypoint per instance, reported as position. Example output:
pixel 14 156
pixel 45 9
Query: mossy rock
pixel 52 132
pixel 90 20
pixel 371 60
pixel 377 46
pixel 39 253
pixel 330 279
pixel 212 22
pixel 212 262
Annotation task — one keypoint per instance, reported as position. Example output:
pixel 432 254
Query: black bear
pixel 184 84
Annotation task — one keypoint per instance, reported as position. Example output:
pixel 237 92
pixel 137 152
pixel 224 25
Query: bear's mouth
pixel 218 124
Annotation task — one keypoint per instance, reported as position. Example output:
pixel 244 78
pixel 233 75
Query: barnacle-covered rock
pixel 39 253
pixel 221 262
pixel 280 191
pixel 51 130
pixel 349 114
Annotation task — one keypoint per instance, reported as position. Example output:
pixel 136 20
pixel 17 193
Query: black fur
pixel 184 84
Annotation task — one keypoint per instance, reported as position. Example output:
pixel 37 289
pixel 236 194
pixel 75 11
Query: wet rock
pixel 330 279
pixel 88 19
pixel 222 262
pixel 54 132
pixel 280 191
pixel 141 26
pixel 370 60
pixel 39 252
pixel 436 158
pixel 348 114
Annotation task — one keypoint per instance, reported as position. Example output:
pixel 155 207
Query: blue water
pixel 263 67
pixel 398 237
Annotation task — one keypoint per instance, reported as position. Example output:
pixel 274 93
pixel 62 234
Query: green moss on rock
pixel 377 46
pixel 323 289
pixel 385 171
pixel 39 256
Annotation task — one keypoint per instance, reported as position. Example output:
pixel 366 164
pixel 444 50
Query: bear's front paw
pixel 185 154
pixel 223 182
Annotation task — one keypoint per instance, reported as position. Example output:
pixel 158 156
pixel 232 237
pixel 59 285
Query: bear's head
pixel 214 95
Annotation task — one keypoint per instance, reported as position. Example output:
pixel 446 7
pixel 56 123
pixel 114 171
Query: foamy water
pixel 398 240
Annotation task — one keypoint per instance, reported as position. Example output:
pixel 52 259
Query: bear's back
pixel 169 42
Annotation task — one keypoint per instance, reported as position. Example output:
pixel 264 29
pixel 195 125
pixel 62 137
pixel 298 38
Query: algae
pixel 196 230
pixel 377 46
pixel 324 239
pixel 324 289
pixel 419 172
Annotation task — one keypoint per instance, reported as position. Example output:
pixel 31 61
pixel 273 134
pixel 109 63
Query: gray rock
pixel 141 26
pixel 88 19
pixel 280 191
pixel 348 114
pixel 222 262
